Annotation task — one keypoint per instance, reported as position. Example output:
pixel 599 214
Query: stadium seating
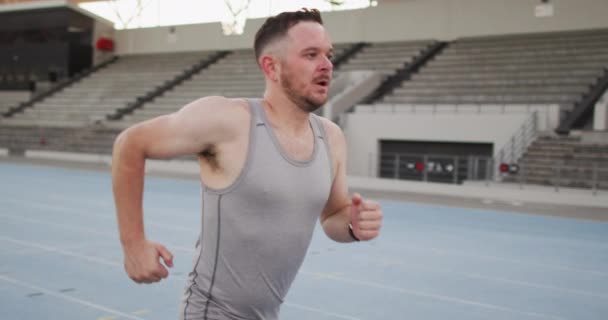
pixel 385 57
pixel 10 99
pixel 237 75
pixel 103 92
pixel 564 161
pixel 517 69
pixel 94 140
pixel 524 70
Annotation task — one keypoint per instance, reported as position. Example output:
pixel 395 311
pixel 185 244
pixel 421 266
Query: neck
pixel 285 114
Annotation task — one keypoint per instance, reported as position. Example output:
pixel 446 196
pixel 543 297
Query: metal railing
pixel 583 109
pixel 559 175
pixel 455 108
pixel 457 169
pixel 433 167
pixel 515 147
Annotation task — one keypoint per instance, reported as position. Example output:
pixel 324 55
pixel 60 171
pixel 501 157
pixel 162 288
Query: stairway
pixel 564 161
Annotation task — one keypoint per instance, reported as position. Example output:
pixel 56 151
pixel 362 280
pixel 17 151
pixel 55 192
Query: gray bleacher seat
pixel 535 68
pixel 385 57
pixel 10 99
pixel 237 75
pixel 108 89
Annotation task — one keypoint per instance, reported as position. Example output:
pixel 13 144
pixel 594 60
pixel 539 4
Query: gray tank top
pixel 255 232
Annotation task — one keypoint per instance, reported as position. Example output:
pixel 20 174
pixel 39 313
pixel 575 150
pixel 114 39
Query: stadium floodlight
pixel 235 16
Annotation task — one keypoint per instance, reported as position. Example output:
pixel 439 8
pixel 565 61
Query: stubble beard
pixel 303 102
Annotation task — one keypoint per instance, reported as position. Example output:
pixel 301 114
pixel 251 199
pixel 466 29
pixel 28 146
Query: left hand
pixel 366 218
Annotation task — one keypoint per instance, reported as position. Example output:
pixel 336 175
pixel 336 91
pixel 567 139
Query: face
pixel 305 70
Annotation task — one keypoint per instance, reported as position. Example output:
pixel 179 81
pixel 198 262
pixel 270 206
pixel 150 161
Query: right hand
pixel 142 261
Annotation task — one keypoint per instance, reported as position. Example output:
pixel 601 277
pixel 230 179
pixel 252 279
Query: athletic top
pixel 255 232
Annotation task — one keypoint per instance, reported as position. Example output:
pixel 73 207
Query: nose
pixel 326 64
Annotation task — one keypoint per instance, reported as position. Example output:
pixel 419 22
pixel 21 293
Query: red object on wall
pixel 105 44
pixel 504 168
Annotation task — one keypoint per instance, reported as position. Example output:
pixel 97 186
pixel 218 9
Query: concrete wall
pixel 102 30
pixel 600 114
pixel 363 132
pixel 391 20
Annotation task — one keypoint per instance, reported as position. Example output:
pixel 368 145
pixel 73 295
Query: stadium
pixel 481 126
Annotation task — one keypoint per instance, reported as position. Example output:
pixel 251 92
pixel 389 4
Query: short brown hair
pixel 278 26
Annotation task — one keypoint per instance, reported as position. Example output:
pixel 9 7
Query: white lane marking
pixel 56 225
pixel 191 250
pixel 109 204
pixel 84 230
pixel 141 312
pixel 428 249
pixel 431 295
pixel 402 265
pixel 315 275
pixel 323 312
pixel 114 264
pixel 74 211
pixel 61 251
pixel 67 297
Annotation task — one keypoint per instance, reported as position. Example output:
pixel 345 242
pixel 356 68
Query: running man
pixel 270 169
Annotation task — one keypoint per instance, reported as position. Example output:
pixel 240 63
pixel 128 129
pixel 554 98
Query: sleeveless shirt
pixel 255 232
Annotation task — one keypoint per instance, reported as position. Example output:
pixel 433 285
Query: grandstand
pixel 385 57
pixel 108 89
pixel 501 79
pixel 462 113
pixel 10 98
pixel 564 161
pixel 516 69
pixel 237 75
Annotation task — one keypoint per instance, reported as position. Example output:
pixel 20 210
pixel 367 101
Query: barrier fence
pixel 457 169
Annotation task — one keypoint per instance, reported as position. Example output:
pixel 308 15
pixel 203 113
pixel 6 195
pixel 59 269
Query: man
pixel 269 168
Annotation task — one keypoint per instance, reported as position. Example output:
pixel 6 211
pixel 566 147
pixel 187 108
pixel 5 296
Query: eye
pixel 311 55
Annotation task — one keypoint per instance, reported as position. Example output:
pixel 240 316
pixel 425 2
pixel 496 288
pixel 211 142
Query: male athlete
pixel 269 168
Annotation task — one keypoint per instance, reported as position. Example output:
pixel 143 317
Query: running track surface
pixel 60 258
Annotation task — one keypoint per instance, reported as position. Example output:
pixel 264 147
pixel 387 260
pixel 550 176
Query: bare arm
pixel 189 131
pixel 342 210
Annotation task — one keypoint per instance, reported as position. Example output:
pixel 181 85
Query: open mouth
pixel 322 82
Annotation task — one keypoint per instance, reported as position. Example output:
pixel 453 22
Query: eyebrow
pixel 331 50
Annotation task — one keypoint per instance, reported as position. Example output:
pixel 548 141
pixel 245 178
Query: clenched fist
pixel 365 217
pixel 142 261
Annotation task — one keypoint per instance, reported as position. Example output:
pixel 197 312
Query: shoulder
pixel 335 140
pixel 216 111
pixel 334 133
pixel 217 106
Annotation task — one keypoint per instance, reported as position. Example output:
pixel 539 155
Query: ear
pixel 270 66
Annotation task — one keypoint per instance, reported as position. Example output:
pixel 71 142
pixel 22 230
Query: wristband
pixel 352 233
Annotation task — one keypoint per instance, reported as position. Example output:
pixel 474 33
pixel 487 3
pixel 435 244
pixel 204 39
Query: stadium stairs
pixel 583 110
pixel 564 161
pixel 10 99
pixel 234 75
pixel 92 98
pixel 563 68
pixel 23 105
pixel 94 140
pixel 159 91
pixel 543 68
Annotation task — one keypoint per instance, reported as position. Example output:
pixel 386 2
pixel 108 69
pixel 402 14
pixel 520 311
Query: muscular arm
pixel 191 130
pixel 341 209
